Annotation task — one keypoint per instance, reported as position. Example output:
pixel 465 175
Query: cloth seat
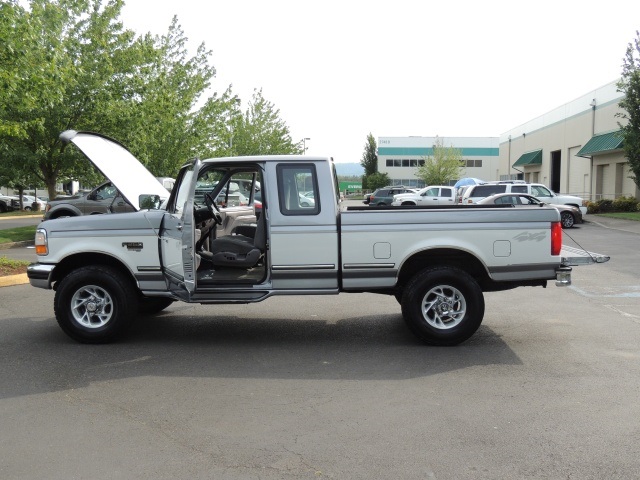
pixel 238 251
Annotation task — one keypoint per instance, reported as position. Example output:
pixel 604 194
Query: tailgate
pixel 572 256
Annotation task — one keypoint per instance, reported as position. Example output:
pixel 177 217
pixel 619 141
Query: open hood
pixel 117 163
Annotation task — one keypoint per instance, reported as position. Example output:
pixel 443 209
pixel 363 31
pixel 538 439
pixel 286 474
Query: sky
pixel 339 70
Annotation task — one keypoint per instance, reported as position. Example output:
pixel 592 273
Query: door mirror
pixel 149 202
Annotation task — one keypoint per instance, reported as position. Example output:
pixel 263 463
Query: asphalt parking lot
pixel 335 387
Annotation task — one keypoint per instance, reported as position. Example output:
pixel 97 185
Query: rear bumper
pixel 39 275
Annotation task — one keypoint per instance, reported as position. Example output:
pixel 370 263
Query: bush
pixel 622 204
pixel 625 204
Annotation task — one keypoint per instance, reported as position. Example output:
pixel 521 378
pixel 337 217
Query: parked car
pixel 384 196
pixel 569 215
pixel 6 204
pixel 431 195
pixel 27 202
pixel 103 199
pixel 476 193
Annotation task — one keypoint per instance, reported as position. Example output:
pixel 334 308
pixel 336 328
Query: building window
pixel 389 163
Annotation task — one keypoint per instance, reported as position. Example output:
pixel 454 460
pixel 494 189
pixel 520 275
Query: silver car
pixel 569 215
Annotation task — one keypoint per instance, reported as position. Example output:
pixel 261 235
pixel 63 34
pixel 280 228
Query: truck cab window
pixel 298 187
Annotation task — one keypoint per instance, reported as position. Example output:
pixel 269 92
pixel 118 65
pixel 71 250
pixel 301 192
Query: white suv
pixel 541 192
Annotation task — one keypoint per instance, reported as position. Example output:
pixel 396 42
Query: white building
pixel 573 149
pixel 399 157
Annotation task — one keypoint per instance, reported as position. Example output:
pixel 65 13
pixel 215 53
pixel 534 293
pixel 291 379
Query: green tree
pixel 70 64
pixel 376 180
pixel 630 86
pixel 445 165
pixel 369 162
pixel 260 130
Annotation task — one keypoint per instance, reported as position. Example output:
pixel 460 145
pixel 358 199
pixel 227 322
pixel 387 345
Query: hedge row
pixel 622 204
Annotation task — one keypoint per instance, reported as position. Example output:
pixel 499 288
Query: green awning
pixel 600 144
pixel 529 158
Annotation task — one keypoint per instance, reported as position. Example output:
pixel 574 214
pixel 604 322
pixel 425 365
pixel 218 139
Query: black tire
pixel 95 304
pixel 153 305
pixel 409 203
pixel 567 220
pixel 3 207
pixel 454 301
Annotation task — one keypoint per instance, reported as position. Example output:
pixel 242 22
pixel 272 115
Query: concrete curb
pixel 7 246
pixel 11 280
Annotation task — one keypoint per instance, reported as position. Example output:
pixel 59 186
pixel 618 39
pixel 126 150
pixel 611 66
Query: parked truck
pixel 107 270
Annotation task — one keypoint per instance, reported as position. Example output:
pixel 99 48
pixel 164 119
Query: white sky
pixel 339 69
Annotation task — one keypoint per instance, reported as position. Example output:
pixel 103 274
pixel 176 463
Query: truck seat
pixel 239 251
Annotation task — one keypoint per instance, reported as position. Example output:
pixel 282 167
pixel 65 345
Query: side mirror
pixel 149 202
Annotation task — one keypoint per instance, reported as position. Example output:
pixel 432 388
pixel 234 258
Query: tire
pixel 3 207
pixel 567 220
pixel 95 304
pixel 443 306
pixel 153 305
pixel 27 209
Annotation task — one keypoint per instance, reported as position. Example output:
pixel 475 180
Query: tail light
pixel 556 238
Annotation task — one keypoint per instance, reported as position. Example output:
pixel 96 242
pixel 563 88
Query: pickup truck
pixel 431 195
pixel 107 270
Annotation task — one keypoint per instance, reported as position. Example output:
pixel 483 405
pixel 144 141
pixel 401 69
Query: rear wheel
pixel 567 220
pixel 443 306
pixel 95 304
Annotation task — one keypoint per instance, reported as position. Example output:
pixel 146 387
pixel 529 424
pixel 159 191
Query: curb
pixel 26 243
pixel 11 280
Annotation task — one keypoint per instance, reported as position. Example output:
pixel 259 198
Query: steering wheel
pixel 213 208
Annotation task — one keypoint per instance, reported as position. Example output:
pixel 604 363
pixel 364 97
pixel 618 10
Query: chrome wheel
pixel 567 220
pixel 444 307
pixel 92 306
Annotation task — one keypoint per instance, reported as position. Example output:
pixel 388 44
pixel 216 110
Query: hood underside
pixel 117 164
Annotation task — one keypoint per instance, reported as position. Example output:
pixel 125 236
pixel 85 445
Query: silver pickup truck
pixel 437 262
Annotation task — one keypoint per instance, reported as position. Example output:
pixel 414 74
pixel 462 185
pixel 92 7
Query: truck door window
pixel 297 189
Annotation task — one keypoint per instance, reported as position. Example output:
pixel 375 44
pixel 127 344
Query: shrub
pixel 593 207
pixel 625 204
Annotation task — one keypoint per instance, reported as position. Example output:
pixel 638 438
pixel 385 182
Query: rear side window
pixel 519 189
pixel 486 190
pixel 298 189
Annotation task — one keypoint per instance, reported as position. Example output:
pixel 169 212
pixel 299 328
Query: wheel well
pixel 63 213
pixel 408 203
pixel 572 205
pixel 443 257
pixel 84 259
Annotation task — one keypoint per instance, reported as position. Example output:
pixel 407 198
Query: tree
pixel 377 180
pixel 370 163
pixel 630 86
pixel 445 165
pixel 260 131
pixel 70 64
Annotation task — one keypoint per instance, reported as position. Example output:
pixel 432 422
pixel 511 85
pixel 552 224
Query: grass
pixel 20 213
pixel 12 267
pixel 623 215
pixel 18 234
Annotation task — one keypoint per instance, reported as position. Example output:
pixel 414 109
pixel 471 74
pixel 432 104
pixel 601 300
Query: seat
pixel 238 251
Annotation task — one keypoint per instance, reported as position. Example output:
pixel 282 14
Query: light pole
pixel 232 112
pixel 304 145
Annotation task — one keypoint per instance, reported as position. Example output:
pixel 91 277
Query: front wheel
pixel 95 304
pixel 567 220
pixel 443 306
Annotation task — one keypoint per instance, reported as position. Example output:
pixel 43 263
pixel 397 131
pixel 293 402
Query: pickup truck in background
pixel 106 270
pixel 431 195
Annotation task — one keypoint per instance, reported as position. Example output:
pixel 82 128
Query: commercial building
pixel 574 149
pixel 399 157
